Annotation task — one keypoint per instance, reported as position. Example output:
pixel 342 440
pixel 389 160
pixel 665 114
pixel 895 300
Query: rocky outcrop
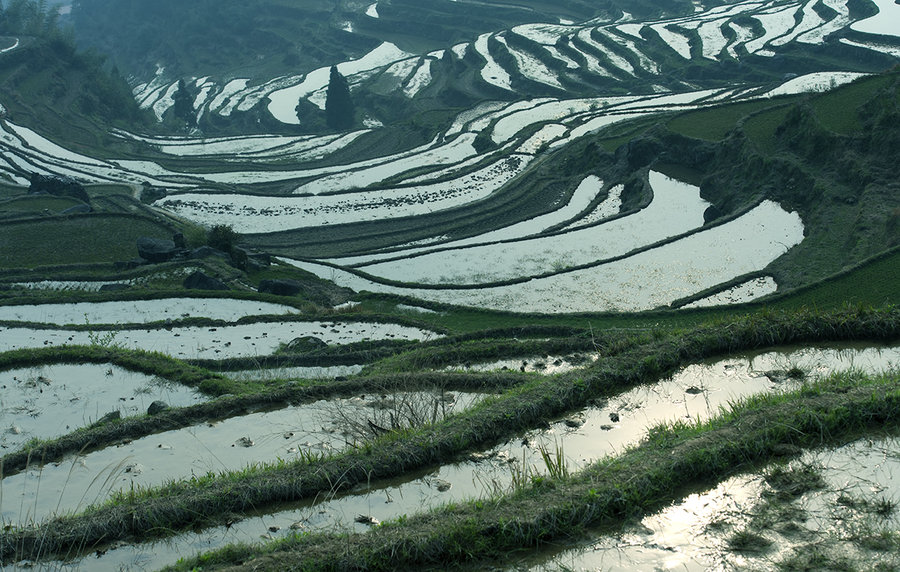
pixel 156 249
pixel 197 280
pixel 157 407
pixel 59 186
pixel 317 291
pixel 280 287
pixel 305 344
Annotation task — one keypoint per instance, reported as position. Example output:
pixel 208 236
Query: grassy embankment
pixel 638 358
pixel 672 461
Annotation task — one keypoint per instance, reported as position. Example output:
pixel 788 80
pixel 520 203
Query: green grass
pixel 838 111
pixel 84 239
pixel 35 205
pixel 715 123
pixel 760 128
pixel 875 283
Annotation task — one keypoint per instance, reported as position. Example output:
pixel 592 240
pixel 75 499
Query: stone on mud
pixel 305 344
pixel 198 280
pixel 156 249
pixel 157 407
pixel 280 287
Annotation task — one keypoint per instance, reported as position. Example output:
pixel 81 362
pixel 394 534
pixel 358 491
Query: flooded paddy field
pixel 281 435
pixel 51 400
pixel 825 510
pixel 140 311
pixel 458 222
pixel 695 393
pixel 547 365
pixel 301 372
pixel 244 340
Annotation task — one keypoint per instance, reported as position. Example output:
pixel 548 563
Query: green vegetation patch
pixel 839 110
pixel 82 239
pixel 876 282
pixel 715 123
pixel 761 128
pixel 35 204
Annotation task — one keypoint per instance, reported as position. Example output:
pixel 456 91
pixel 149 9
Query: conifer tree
pixel 339 112
pixel 183 107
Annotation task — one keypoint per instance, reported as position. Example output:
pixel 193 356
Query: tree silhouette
pixel 183 107
pixel 339 113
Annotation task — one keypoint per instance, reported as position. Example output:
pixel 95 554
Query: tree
pixel 339 113
pixel 183 107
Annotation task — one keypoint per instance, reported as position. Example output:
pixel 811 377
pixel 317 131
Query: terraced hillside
pixel 528 52
pixel 620 285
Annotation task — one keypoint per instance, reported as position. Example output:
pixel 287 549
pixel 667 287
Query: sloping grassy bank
pixel 673 460
pixel 212 499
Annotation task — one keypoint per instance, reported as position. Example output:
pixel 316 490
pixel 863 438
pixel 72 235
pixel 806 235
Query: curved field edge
pixel 213 499
pixel 673 460
pixel 290 393
pixel 874 282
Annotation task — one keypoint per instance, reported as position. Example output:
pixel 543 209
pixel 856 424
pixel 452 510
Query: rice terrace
pixel 449 285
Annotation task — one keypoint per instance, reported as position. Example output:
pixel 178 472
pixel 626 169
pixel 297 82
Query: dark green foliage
pixel 339 110
pixel 222 237
pixel 46 77
pixel 29 18
pixel 183 108
pixel 483 142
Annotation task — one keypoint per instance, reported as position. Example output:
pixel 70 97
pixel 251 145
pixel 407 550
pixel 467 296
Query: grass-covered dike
pixel 704 454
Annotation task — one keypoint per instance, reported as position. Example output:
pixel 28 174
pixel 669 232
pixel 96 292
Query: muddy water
pixel 693 534
pixel 243 340
pixel 141 311
pixel 231 444
pixel 547 364
pixel 311 372
pixel 52 400
pixel 696 392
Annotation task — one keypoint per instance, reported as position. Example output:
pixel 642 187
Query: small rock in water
pixel 693 390
pixel 573 422
pixel 244 442
pixel 366 519
pixel 157 407
pixel 134 468
pixel 15 430
pixel 298 525
pixel 274 528
pixel 441 485
pixel 614 417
